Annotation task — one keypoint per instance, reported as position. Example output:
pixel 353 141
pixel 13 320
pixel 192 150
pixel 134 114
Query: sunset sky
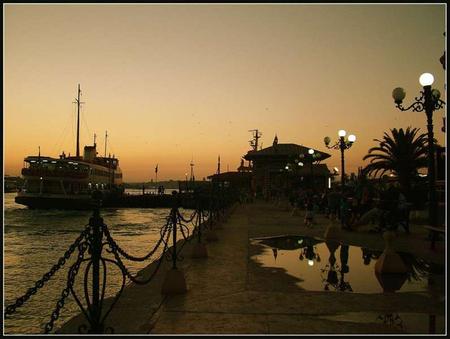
pixel 175 82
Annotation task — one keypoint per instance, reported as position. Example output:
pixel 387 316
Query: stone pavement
pixel 228 293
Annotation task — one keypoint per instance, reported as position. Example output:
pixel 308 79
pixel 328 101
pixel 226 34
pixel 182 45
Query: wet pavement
pixel 237 290
pixel 321 265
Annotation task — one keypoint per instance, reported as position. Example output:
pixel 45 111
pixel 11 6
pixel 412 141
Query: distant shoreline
pixel 149 184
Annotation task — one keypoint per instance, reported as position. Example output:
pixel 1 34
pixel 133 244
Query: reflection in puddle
pixel 332 266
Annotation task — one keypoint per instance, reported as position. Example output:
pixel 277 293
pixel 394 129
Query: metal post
pixel 78 122
pixel 200 220
pixel 342 148
pixel 96 223
pixel 174 237
pixel 199 214
pixel 432 208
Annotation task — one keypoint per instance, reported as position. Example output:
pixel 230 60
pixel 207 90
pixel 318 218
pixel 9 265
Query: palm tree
pixel 403 154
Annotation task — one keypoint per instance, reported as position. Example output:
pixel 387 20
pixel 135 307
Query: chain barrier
pixel 114 250
pixel 10 309
pixel 189 220
pixel 65 293
pixel 117 248
pixel 91 241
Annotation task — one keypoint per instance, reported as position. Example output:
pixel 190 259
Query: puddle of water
pixel 332 266
pixel 414 323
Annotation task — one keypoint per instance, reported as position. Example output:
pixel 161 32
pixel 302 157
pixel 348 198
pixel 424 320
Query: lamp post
pixel 311 155
pixel 429 101
pixel 342 144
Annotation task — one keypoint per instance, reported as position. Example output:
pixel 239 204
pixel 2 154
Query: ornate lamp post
pixel 342 144
pixel 311 156
pixel 429 101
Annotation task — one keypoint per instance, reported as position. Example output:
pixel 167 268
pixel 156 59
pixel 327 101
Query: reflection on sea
pixel 323 265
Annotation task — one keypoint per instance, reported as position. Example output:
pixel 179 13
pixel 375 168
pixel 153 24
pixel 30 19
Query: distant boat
pixel 68 182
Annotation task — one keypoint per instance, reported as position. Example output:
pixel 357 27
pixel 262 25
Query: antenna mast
pixel 192 169
pixel 78 102
pixel 106 139
pixel 256 136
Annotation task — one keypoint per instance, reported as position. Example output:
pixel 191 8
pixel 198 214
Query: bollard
pixel 390 269
pixel 390 262
pixel 211 234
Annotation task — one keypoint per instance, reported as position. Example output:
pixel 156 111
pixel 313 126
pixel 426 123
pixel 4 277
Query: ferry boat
pixel 68 182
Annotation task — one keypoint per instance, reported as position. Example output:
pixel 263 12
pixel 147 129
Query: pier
pixel 229 292
pixel 150 201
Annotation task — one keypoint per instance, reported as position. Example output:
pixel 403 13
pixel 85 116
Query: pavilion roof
pixel 225 176
pixel 283 150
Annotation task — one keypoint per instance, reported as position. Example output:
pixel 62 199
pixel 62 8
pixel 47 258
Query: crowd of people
pixel 385 208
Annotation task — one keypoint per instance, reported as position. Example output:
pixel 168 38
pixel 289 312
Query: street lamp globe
pixel 311 151
pixel 398 94
pixel 426 79
pixel 435 94
pixel 342 133
pixel 351 138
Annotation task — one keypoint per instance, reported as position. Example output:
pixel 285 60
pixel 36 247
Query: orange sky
pixel 171 82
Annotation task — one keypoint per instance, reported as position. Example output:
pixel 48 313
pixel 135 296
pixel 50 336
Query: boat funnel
pixel 90 153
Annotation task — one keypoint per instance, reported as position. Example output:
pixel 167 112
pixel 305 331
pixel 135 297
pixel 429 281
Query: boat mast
pixel 78 102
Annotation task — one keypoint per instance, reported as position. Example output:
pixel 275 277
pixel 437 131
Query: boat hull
pixel 43 202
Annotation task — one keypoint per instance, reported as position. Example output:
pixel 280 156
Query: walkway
pixel 230 293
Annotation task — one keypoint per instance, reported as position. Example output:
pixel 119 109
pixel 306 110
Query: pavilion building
pixel 282 168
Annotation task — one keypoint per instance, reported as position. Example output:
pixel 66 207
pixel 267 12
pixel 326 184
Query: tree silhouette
pixel 402 152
